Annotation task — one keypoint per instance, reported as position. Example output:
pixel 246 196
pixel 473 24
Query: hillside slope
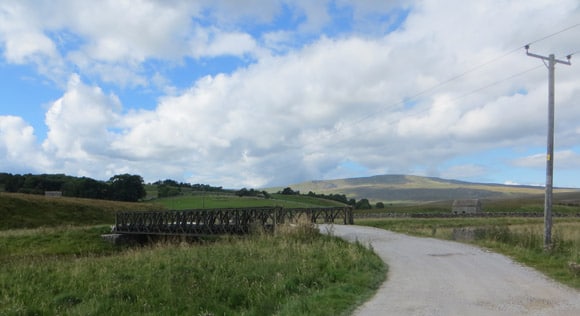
pixel 29 211
pixel 412 189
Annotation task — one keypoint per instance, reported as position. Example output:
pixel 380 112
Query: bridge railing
pixel 223 221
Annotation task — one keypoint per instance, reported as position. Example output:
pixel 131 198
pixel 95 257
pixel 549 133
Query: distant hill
pixel 413 189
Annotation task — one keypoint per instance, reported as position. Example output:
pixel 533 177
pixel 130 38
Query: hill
pixel 19 210
pixel 415 189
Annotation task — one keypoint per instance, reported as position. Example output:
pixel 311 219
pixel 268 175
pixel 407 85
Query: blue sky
pixel 258 93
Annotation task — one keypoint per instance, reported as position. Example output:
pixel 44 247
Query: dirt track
pixel 435 277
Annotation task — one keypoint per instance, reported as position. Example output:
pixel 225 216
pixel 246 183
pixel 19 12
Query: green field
pixel 220 200
pixel 52 269
pixel 54 261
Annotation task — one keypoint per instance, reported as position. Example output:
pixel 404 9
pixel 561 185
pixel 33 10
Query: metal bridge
pixel 203 222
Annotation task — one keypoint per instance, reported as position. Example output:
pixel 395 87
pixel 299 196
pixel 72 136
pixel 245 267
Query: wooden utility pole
pixel 552 61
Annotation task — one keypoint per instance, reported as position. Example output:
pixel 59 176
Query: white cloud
pixel 217 43
pixel 18 149
pixel 565 159
pixel 79 122
pixel 302 112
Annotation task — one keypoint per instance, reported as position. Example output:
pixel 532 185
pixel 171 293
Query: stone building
pixel 468 206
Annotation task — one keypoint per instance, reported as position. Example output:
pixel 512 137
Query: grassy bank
pixel 70 271
pixel 31 211
pixel 519 238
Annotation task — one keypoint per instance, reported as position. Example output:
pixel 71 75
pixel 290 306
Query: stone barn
pixel 469 206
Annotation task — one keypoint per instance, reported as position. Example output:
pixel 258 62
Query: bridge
pixel 203 222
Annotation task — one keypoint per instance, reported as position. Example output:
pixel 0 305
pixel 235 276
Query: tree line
pixel 122 187
pixel 169 188
pixel 362 204
pixel 131 188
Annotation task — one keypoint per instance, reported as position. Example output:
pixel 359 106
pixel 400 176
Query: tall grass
pixel 297 272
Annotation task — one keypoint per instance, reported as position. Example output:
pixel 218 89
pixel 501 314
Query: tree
pixel 242 192
pixel 14 183
pixel 126 187
pixel 380 205
pixel 289 191
pixel 164 190
pixel 363 204
pixel 86 188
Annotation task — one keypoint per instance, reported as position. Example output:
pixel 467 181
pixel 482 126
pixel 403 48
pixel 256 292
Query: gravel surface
pixel 436 277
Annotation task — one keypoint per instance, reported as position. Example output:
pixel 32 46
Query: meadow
pixel 51 269
pixel 54 261
pixel 220 200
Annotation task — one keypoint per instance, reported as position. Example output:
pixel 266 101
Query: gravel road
pixel 435 277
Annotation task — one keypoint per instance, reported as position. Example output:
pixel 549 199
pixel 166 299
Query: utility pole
pixel 552 61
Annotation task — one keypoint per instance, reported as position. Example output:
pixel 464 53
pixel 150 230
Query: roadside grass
pixel 70 271
pixel 518 238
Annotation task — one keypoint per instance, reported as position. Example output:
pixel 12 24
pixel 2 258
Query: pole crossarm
pixel 547 58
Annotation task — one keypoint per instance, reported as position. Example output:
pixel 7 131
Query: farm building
pixel 468 206
pixel 53 193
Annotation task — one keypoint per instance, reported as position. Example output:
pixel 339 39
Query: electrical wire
pixel 554 34
pixel 418 114
pixel 460 75
pixel 415 96
pixel 465 73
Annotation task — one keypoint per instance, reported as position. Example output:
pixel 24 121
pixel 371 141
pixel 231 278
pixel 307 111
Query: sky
pixel 262 93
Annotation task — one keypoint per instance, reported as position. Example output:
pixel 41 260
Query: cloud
pixel 18 149
pixel 565 159
pixel 112 40
pixel 306 104
pixel 79 122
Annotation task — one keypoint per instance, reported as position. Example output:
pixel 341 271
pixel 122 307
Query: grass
pixel 55 241
pixel 55 263
pixel 564 203
pixel 518 238
pixel 55 271
pixel 216 200
pixel 31 211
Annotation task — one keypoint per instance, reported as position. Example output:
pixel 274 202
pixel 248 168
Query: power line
pixel 554 34
pixel 497 82
pixel 461 75
pixel 419 113
pixel 415 96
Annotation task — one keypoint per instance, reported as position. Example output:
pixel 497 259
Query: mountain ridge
pixel 400 188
